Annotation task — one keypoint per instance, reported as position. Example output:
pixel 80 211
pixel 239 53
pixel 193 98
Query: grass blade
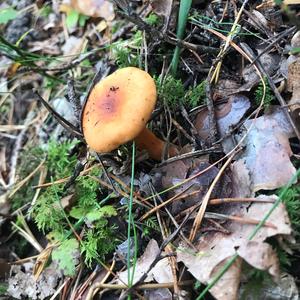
pixel 184 9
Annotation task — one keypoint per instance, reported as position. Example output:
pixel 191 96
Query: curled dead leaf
pixel 215 248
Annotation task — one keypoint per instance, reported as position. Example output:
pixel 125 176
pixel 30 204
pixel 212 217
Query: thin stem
pixel 131 223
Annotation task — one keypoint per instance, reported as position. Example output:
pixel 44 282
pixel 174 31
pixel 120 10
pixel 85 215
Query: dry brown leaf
pixel 266 157
pixel 241 181
pixel 176 172
pixel 269 61
pixel 161 272
pixel 162 8
pixel 225 88
pixel 49 46
pixel 95 8
pixel 294 86
pixel 215 248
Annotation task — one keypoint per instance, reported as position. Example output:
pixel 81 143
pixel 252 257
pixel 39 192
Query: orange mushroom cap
pixel 118 109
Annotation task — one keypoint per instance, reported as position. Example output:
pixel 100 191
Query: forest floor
pixel 211 212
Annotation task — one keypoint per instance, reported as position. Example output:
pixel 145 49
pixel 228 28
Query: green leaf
pixel 78 212
pixel 105 211
pixel 66 255
pixel 72 19
pixel 7 14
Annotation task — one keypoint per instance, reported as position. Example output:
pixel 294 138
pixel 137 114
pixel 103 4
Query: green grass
pixel 131 226
pixel 184 9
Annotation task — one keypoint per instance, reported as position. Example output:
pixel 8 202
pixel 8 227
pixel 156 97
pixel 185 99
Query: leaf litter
pixel 171 192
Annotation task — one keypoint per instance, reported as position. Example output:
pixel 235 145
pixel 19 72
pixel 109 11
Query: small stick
pixel 146 286
pixel 74 101
pixel 242 220
pixel 61 120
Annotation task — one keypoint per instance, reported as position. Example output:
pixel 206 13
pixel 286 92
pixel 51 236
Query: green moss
pixel 292 205
pixel 86 216
pixel 126 53
pixel 59 162
pixel 152 19
pixel 47 211
pixel 171 91
pixel 259 94
pixel 196 96
pixel 3 288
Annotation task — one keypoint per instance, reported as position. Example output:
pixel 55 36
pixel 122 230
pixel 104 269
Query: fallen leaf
pixel 95 8
pixel 225 88
pixel 162 7
pixel 227 115
pixel 241 181
pixel 161 294
pixel 269 61
pixel 294 86
pixel 176 172
pixel 266 143
pixel 72 46
pixel 214 249
pixel 161 272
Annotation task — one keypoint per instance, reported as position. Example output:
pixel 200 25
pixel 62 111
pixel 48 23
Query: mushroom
pixel 117 111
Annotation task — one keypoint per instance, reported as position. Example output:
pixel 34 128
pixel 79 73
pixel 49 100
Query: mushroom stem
pixel 146 140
